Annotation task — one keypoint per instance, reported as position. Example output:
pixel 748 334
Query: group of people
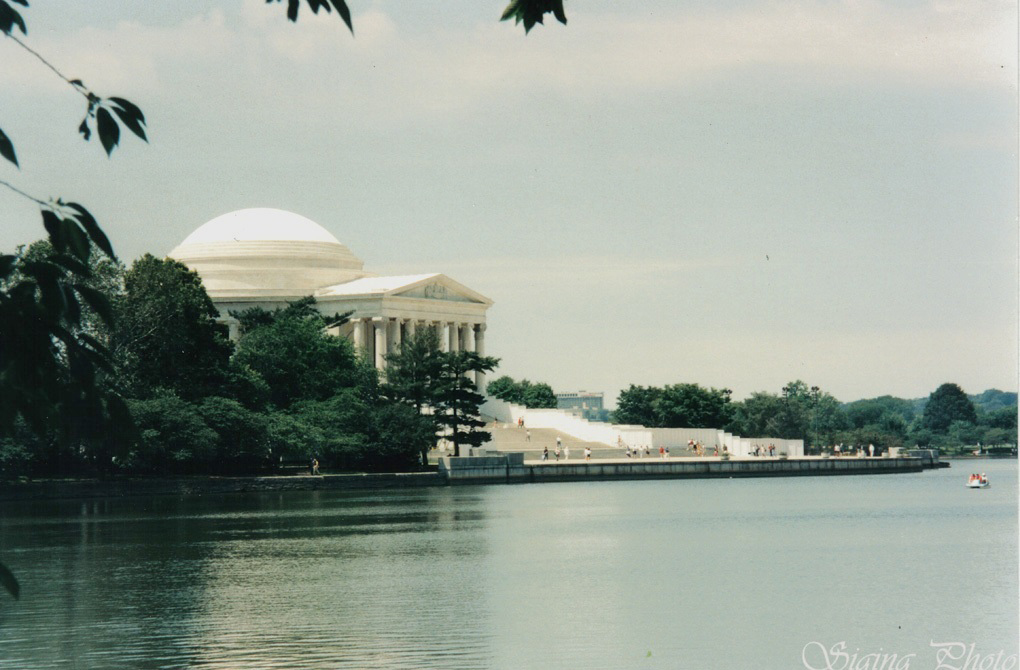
pixel 859 450
pixel 980 479
pixel 565 450
pixel 769 451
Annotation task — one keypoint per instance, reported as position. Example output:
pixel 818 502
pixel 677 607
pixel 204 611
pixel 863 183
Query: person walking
pixel 587 453
pixel 545 454
pixel 566 453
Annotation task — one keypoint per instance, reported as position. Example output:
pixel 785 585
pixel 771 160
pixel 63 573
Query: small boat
pixel 978 482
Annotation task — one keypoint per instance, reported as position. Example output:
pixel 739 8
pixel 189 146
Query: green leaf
pixel 72 264
pixel 77 240
pixel 88 222
pixel 345 13
pixel 530 12
pixel 9 18
pixel 130 115
pixel 7 148
pixel 9 582
pixel 84 129
pixel 53 226
pixel 97 301
pixel 129 107
pixel 109 131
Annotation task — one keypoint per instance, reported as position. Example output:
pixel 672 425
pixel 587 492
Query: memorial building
pixel 268 258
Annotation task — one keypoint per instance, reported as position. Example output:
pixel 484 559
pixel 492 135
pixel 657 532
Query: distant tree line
pixel 947 418
pixel 287 391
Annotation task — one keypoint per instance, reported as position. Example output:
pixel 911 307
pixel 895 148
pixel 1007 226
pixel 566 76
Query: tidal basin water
pixel 705 574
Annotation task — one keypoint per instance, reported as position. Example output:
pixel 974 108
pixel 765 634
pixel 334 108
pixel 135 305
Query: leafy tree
pixel 167 335
pixel 536 395
pixel 414 371
pixel 299 360
pixel 946 404
pixel 994 399
pixel 1005 417
pixel 242 443
pixel 691 406
pixel 173 437
pixel 457 400
pixel 871 412
pixel 636 405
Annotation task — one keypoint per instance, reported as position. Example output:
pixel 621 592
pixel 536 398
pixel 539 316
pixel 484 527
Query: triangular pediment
pixel 441 287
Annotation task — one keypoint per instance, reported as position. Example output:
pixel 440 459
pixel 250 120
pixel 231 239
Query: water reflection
pixel 701 574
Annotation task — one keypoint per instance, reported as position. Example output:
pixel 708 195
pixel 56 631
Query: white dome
pixel 266 253
pixel 259 223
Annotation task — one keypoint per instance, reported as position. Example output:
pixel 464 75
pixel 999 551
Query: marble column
pixel 395 335
pixel 412 326
pixel 444 339
pixel 454 333
pixel 381 326
pixel 359 335
pixel 467 337
pixel 480 350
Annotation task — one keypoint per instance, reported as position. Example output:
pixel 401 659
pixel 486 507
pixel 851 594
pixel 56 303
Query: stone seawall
pixel 502 469
pixel 507 469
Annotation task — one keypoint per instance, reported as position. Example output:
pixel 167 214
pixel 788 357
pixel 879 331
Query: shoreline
pixel 506 469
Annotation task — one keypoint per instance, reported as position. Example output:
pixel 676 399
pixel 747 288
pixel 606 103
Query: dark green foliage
pixel 51 361
pixel 1001 418
pixel 242 443
pixel 7 148
pixel 173 437
pixel 299 360
pixel 948 403
pixel 167 334
pixel 636 406
pixel 872 411
pixel 674 406
pixel 104 114
pixel 535 395
pixel 339 5
pixel 994 399
pixel 439 386
pixel 457 399
pixel 530 12
pixel 9 17
pixel 413 372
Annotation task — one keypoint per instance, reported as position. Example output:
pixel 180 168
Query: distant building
pixel 585 404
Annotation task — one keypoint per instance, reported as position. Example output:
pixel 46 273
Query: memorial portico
pixel 268 258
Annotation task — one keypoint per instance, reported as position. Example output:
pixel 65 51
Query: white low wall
pixel 635 436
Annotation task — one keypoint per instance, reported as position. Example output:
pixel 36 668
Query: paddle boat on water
pixel 978 481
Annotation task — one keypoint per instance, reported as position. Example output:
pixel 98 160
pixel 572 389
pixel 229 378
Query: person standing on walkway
pixel 587 453
pixel 527 436
pixel 566 453
pixel 545 454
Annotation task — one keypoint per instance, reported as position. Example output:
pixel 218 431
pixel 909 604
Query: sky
pixel 737 194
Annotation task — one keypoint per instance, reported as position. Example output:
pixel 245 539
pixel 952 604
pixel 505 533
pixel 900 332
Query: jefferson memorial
pixel 268 257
